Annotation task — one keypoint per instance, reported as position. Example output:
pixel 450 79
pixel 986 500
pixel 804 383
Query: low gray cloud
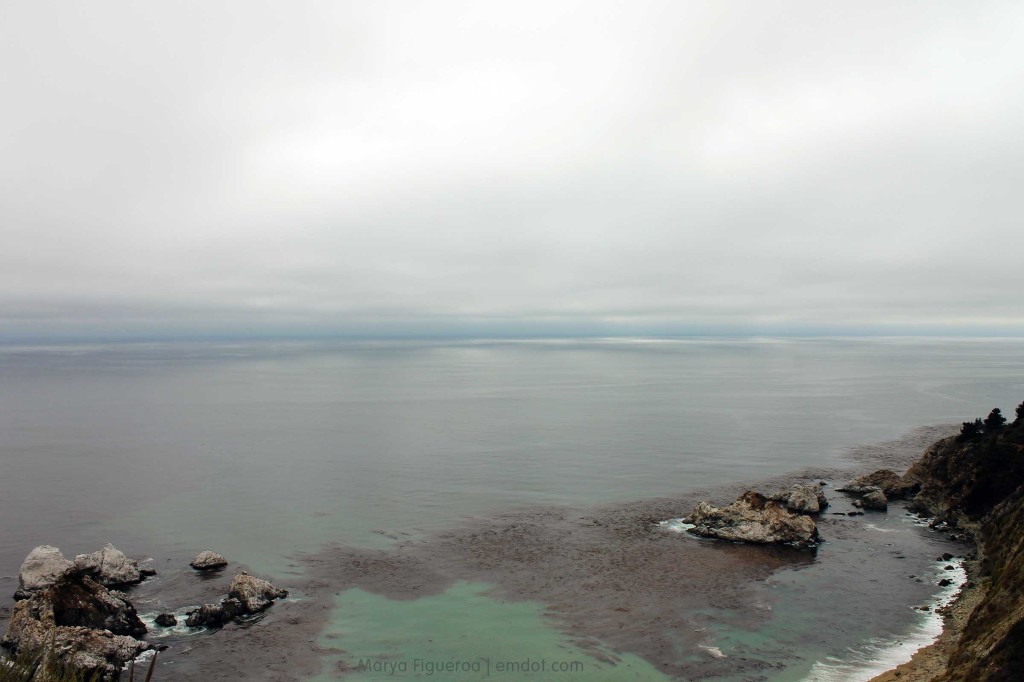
pixel 530 167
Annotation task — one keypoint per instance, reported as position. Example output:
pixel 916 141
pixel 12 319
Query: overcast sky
pixel 184 168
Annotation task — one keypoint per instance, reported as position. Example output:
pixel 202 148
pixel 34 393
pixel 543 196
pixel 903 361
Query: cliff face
pixel 961 482
pixel 978 486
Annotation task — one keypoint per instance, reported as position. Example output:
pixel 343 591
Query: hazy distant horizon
pixel 521 333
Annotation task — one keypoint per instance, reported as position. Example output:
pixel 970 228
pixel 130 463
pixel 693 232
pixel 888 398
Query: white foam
pixel 879 655
pixel 676 525
pixel 154 630
pixel 713 650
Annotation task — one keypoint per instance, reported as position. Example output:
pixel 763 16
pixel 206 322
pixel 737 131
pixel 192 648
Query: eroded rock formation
pixel 78 623
pixel 41 568
pixel 247 595
pixel 753 518
pixel 110 567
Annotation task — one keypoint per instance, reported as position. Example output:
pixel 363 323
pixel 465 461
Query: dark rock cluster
pixel 247 595
pixel 68 616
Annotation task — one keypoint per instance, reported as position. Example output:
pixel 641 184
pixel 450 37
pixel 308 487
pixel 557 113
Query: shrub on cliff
pixel 970 430
pixel 994 421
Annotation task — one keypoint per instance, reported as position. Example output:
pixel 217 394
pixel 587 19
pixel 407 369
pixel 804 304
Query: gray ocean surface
pixel 260 450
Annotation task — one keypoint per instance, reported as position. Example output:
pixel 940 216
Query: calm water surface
pixel 262 450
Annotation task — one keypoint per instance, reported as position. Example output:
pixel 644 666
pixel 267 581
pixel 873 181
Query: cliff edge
pixel 974 482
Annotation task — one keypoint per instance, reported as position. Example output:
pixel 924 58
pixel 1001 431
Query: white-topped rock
pixel 41 568
pixel 753 518
pixel 254 593
pixel 208 561
pixel 109 567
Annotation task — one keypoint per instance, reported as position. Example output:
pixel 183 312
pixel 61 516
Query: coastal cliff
pixel 974 483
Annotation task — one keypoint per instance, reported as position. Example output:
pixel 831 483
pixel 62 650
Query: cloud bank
pixel 510 168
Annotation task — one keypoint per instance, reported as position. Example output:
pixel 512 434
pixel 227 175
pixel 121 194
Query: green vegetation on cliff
pixel 975 481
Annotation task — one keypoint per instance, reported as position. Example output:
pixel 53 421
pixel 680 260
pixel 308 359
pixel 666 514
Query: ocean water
pixel 299 460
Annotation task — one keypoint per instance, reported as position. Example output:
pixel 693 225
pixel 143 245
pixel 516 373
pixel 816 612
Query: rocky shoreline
pixel 71 619
pixel 972 485
pixel 929 662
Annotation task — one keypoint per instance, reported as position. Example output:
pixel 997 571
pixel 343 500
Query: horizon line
pixel 821 334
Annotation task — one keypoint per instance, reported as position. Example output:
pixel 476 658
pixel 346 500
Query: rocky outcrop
pixel 80 624
pixel 974 484
pixel 166 620
pixel 874 491
pixel 963 481
pixel 41 568
pixel 891 484
pixel 208 561
pixel 874 500
pixel 753 518
pixel 79 600
pixel 247 595
pixel 109 567
pixel 215 615
pixel 74 623
pixel 254 593
pixel 880 480
pixel 803 498
pixel 98 653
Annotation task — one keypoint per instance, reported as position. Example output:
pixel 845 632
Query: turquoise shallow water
pixel 464 633
pixel 263 451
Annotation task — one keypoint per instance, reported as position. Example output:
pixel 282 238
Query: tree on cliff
pixel 970 430
pixel 994 421
pixel 1020 414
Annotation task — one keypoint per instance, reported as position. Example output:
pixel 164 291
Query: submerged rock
pixel 753 518
pixel 41 568
pixel 804 498
pixel 109 567
pixel 78 623
pixel 208 561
